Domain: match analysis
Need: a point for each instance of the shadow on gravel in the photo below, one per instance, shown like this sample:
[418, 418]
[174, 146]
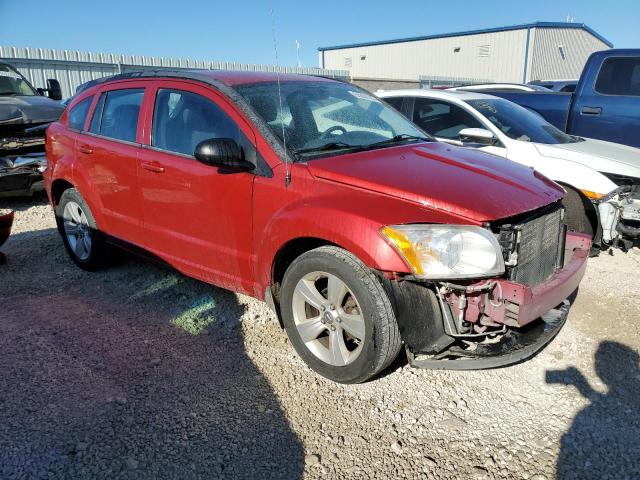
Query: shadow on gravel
[603, 439]
[132, 372]
[20, 204]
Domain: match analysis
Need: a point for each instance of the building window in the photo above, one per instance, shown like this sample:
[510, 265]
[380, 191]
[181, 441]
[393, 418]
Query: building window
[484, 51]
[347, 62]
[456, 50]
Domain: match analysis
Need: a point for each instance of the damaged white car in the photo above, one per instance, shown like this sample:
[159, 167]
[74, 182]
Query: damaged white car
[602, 179]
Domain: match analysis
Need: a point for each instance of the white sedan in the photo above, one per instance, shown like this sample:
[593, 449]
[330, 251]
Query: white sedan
[602, 179]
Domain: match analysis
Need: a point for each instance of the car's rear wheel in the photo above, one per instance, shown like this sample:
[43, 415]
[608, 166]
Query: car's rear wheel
[338, 315]
[79, 231]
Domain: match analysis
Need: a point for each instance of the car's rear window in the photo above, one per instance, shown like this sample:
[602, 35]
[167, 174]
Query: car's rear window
[619, 76]
[116, 115]
[78, 114]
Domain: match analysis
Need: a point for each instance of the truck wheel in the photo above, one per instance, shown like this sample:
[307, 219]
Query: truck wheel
[575, 213]
[79, 231]
[338, 316]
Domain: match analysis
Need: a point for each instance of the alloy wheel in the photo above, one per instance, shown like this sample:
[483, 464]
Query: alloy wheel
[77, 230]
[328, 318]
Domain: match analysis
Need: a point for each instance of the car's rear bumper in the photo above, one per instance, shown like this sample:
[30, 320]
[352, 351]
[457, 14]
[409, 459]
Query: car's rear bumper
[523, 319]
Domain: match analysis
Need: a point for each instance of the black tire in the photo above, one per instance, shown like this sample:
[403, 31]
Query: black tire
[381, 342]
[576, 216]
[98, 253]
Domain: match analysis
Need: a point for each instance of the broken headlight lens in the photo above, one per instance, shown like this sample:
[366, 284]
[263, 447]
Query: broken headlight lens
[447, 251]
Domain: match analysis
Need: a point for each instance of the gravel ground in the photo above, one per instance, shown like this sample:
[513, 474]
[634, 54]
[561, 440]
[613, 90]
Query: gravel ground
[139, 372]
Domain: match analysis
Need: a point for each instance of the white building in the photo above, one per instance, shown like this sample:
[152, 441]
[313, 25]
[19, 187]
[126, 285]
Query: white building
[515, 54]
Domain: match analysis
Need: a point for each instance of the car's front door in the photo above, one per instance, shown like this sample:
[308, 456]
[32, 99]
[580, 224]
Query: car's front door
[108, 152]
[198, 218]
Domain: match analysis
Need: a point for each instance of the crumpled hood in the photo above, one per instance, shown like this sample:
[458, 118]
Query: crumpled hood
[28, 109]
[602, 156]
[461, 181]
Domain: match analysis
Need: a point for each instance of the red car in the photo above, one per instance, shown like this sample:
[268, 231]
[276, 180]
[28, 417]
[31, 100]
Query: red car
[360, 231]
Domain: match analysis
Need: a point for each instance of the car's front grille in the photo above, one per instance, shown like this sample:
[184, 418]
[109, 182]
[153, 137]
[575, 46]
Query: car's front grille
[20, 139]
[535, 246]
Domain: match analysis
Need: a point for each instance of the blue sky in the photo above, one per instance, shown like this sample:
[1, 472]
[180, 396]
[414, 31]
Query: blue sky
[241, 30]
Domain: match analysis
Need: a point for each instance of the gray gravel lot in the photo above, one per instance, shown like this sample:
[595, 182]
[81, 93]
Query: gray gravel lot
[139, 372]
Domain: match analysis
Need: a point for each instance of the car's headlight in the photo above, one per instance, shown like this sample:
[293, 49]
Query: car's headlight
[447, 251]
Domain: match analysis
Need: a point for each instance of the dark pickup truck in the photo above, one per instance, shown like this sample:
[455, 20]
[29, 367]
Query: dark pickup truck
[605, 105]
[25, 113]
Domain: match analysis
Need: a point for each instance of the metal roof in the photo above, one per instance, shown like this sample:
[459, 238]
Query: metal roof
[477, 32]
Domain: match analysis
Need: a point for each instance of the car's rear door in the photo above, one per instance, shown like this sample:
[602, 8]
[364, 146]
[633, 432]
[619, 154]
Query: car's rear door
[197, 217]
[108, 152]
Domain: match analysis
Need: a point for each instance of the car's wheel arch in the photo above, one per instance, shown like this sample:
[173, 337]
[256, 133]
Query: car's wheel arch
[60, 184]
[364, 242]
[590, 209]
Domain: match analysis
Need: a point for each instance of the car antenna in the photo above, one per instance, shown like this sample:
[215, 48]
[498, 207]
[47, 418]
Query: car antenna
[287, 167]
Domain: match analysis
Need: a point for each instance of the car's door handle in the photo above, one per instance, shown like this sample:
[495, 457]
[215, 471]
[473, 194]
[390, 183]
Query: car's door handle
[86, 149]
[591, 110]
[153, 167]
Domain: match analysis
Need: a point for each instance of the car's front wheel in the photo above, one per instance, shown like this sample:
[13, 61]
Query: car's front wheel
[338, 315]
[79, 231]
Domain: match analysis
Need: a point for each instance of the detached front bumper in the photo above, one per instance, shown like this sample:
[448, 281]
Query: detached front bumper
[504, 322]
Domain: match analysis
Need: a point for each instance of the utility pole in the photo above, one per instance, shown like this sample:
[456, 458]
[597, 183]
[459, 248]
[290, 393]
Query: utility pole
[298, 53]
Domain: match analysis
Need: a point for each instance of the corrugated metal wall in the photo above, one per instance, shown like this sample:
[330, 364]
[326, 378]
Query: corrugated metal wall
[72, 68]
[496, 56]
[550, 62]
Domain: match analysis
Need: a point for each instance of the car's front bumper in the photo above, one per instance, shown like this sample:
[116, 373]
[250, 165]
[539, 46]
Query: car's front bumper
[522, 319]
[22, 175]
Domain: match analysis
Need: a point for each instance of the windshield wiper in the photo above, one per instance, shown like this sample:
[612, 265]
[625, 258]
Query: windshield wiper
[396, 139]
[344, 146]
[8, 92]
[327, 147]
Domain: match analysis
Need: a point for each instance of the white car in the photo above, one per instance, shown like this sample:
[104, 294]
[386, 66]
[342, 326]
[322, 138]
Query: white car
[602, 179]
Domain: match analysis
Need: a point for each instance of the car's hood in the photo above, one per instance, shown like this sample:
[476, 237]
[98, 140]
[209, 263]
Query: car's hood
[467, 183]
[28, 109]
[602, 156]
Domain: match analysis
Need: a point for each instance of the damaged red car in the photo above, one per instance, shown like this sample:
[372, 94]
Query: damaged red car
[362, 233]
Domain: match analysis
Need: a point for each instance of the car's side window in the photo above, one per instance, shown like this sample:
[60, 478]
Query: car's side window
[619, 76]
[395, 102]
[78, 114]
[442, 119]
[116, 114]
[181, 120]
[96, 119]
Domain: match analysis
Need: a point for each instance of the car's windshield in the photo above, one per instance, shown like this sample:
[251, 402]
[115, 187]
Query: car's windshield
[12, 83]
[518, 123]
[319, 117]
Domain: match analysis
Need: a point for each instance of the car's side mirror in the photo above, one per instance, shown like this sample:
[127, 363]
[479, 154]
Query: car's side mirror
[53, 89]
[477, 135]
[224, 153]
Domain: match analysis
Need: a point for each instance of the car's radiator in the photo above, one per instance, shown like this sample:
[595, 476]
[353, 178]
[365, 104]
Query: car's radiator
[535, 245]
